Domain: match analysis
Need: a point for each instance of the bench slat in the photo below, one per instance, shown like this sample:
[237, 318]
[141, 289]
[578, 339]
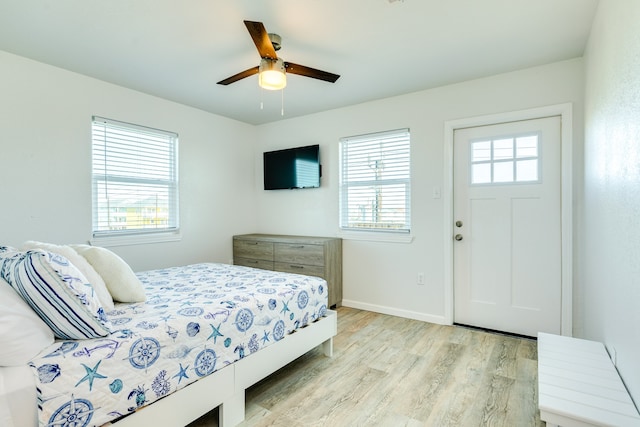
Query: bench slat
[593, 389]
[598, 403]
[580, 378]
[602, 370]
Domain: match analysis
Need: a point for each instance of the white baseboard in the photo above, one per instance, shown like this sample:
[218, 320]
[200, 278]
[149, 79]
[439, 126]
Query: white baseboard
[395, 312]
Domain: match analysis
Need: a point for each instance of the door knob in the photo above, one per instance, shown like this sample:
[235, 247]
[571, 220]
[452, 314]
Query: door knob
[458, 237]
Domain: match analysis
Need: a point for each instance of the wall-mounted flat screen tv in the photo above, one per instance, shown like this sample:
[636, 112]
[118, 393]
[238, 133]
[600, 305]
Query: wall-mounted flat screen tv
[292, 168]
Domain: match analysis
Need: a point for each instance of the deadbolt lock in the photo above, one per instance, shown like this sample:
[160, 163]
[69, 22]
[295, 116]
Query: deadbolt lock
[458, 224]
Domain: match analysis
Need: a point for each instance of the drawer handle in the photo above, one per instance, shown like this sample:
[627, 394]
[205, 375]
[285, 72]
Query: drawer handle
[297, 266]
[297, 247]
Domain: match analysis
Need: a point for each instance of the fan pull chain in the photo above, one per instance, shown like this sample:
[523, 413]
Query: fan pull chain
[282, 102]
[261, 99]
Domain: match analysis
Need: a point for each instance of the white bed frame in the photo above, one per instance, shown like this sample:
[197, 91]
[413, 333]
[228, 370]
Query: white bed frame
[226, 387]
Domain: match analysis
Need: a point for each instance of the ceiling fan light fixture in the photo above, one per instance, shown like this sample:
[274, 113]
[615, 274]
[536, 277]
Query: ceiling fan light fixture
[272, 75]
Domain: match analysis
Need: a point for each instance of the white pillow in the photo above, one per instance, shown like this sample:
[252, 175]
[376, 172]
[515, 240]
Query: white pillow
[81, 264]
[122, 282]
[57, 292]
[22, 333]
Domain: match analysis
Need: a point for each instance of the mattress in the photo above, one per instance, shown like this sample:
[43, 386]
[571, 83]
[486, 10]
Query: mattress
[197, 319]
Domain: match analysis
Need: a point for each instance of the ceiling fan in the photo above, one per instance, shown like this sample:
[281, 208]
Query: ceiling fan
[272, 70]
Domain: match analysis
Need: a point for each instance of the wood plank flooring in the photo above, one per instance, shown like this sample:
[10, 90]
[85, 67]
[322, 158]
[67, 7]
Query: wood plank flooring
[390, 371]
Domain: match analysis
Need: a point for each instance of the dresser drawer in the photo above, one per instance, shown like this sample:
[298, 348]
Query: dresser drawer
[307, 270]
[255, 263]
[253, 249]
[299, 253]
[306, 255]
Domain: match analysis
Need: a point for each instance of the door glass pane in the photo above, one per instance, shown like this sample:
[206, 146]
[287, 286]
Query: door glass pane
[503, 149]
[493, 160]
[527, 170]
[527, 146]
[503, 172]
[481, 151]
[481, 173]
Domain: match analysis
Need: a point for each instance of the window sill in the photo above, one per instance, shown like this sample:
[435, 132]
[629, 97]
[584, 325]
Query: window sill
[135, 239]
[373, 236]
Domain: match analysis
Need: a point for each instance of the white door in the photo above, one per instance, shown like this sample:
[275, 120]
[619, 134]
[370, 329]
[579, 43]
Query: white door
[507, 226]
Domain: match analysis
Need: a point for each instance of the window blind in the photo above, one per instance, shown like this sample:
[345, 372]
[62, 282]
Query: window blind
[375, 182]
[135, 178]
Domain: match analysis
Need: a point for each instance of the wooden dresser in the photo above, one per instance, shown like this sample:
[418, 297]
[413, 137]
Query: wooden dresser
[312, 256]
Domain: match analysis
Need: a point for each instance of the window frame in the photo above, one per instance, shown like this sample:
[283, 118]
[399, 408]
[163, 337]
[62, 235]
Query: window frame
[371, 232]
[169, 140]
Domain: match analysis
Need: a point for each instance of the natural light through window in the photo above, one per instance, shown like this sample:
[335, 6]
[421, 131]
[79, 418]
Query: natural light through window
[505, 160]
[135, 179]
[375, 184]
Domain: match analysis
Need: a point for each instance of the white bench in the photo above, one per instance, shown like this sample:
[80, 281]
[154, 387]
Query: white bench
[578, 385]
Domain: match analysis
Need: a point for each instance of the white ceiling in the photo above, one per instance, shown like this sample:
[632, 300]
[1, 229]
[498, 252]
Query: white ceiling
[179, 49]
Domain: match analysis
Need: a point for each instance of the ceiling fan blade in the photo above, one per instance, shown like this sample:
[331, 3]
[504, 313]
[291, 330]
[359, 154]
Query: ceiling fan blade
[310, 72]
[261, 39]
[241, 75]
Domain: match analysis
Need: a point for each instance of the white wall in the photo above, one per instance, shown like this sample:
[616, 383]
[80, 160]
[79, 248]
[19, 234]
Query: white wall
[610, 262]
[382, 276]
[45, 169]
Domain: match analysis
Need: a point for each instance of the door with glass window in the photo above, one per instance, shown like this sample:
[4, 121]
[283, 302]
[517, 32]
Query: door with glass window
[507, 226]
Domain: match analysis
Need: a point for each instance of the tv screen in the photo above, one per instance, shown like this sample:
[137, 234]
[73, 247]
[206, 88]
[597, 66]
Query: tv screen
[292, 168]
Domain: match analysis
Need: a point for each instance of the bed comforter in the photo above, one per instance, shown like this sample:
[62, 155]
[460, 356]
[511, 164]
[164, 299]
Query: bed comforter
[197, 319]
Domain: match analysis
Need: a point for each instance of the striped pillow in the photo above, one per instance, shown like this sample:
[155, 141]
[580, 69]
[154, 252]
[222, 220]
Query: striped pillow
[78, 261]
[57, 291]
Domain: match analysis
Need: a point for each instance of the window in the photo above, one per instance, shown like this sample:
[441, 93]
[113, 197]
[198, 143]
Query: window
[375, 184]
[505, 160]
[135, 179]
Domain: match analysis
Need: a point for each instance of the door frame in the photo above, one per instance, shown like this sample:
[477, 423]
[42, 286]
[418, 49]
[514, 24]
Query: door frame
[565, 111]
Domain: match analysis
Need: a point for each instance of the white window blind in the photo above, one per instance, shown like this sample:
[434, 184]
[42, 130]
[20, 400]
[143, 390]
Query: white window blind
[375, 182]
[135, 179]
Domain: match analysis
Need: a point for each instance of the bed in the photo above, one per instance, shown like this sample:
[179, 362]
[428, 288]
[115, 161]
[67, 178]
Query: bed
[204, 334]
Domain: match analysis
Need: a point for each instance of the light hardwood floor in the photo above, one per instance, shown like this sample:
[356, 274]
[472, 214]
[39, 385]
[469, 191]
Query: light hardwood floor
[390, 371]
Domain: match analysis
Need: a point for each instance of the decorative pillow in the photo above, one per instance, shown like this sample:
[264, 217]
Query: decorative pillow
[57, 292]
[22, 333]
[122, 282]
[81, 264]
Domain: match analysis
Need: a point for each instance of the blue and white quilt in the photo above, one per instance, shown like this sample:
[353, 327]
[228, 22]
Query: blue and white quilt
[197, 319]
